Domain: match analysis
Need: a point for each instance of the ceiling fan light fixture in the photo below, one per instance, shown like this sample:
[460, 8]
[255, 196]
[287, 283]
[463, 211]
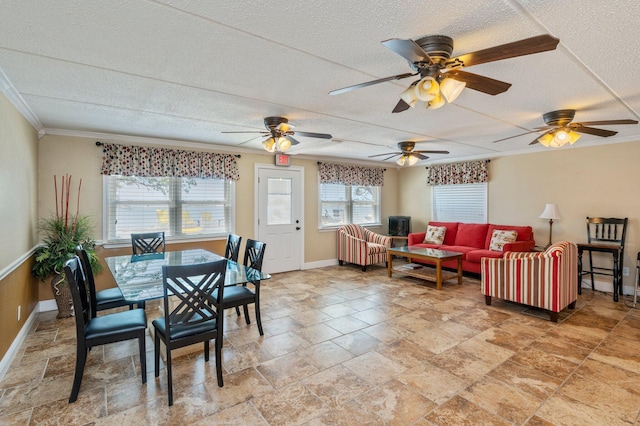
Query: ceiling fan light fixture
[400, 161]
[269, 145]
[436, 102]
[562, 137]
[546, 139]
[427, 89]
[283, 144]
[409, 96]
[451, 88]
[412, 160]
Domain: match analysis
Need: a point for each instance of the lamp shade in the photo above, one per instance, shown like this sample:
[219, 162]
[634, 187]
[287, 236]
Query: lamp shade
[551, 212]
[436, 102]
[427, 89]
[412, 160]
[409, 96]
[270, 145]
[451, 88]
[400, 161]
[283, 144]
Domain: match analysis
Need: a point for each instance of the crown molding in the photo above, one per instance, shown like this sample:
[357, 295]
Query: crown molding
[7, 88]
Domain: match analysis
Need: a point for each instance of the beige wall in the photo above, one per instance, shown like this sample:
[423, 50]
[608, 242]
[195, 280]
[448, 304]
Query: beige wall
[595, 181]
[81, 158]
[18, 210]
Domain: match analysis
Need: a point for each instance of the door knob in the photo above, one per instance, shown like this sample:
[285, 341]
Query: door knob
[297, 228]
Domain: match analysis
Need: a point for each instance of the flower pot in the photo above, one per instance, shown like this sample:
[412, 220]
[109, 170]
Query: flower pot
[62, 294]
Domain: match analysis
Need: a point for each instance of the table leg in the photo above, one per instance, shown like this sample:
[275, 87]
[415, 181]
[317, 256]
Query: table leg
[460, 270]
[389, 265]
[439, 274]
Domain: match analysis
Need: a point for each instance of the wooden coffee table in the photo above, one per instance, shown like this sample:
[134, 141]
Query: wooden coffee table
[422, 271]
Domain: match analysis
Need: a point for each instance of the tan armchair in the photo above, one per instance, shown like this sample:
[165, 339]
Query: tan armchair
[358, 245]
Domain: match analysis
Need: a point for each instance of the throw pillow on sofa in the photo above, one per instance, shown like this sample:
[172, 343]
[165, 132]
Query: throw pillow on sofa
[500, 237]
[434, 235]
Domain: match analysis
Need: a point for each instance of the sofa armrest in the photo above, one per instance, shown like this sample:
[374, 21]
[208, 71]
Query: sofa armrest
[350, 247]
[415, 238]
[519, 246]
[384, 240]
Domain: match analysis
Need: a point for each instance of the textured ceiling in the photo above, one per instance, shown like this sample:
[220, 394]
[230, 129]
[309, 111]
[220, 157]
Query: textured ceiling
[187, 70]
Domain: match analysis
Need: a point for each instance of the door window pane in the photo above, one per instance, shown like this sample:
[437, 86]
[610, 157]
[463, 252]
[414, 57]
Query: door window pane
[279, 201]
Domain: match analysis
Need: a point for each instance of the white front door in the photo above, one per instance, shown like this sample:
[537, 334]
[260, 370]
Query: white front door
[279, 214]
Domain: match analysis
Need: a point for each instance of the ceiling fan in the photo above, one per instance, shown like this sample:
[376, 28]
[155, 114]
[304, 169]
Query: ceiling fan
[441, 77]
[408, 154]
[280, 133]
[561, 129]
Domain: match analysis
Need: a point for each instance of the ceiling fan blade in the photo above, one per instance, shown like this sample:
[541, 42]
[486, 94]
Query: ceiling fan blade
[401, 106]
[515, 136]
[431, 152]
[593, 131]
[371, 83]
[394, 155]
[250, 131]
[606, 122]
[537, 44]
[479, 82]
[408, 49]
[247, 141]
[535, 141]
[315, 135]
[386, 153]
[292, 140]
[420, 156]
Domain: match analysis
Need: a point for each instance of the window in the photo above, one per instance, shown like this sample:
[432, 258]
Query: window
[343, 204]
[181, 207]
[459, 203]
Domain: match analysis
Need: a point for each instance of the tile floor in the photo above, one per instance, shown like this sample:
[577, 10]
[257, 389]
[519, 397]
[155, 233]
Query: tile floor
[346, 347]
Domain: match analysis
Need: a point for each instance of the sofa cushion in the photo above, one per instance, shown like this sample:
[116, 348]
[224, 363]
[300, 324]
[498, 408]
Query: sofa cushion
[525, 233]
[435, 234]
[460, 249]
[452, 230]
[426, 245]
[476, 255]
[472, 235]
[500, 237]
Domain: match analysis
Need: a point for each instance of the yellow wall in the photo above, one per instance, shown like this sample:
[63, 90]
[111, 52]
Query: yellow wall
[599, 181]
[18, 210]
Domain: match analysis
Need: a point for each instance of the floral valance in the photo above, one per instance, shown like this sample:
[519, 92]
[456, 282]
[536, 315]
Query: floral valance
[150, 161]
[351, 175]
[457, 173]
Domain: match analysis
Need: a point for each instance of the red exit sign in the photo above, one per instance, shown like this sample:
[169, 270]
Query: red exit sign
[283, 160]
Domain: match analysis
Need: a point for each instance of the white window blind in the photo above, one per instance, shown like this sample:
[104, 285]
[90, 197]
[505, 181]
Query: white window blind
[459, 203]
[181, 207]
[343, 204]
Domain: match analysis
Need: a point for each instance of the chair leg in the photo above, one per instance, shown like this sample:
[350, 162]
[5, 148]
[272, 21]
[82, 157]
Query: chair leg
[143, 356]
[206, 351]
[81, 359]
[579, 271]
[238, 310]
[593, 285]
[156, 353]
[487, 299]
[553, 316]
[258, 320]
[246, 314]
[218, 351]
[169, 378]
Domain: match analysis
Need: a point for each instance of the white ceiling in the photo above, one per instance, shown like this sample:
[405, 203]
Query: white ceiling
[187, 70]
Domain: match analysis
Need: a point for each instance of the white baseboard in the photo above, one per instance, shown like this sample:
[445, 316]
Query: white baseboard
[320, 264]
[8, 358]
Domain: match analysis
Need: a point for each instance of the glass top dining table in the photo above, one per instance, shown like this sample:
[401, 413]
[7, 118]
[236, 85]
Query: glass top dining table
[139, 277]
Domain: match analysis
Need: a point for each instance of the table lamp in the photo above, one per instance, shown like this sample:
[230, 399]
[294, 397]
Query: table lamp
[550, 212]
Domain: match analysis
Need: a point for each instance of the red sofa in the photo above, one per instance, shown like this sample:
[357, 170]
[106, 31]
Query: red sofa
[473, 240]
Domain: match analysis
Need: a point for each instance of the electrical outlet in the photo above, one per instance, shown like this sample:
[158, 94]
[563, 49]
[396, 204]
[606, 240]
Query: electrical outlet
[19, 312]
[625, 271]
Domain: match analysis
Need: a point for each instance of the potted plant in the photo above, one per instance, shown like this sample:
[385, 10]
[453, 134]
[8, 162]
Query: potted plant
[61, 234]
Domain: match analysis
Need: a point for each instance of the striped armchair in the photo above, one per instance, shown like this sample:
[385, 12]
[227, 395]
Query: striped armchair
[357, 244]
[547, 280]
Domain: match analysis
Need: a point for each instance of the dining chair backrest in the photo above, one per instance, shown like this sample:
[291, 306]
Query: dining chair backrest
[90, 283]
[254, 254]
[198, 291]
[75, 279]
[148, 242]
[232, 249]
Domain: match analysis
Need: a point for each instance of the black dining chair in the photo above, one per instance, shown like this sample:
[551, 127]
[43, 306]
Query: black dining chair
[192, 312]
[95, 331]
[148, 242]
[103, 299]
[232, 250]
[241, 295]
